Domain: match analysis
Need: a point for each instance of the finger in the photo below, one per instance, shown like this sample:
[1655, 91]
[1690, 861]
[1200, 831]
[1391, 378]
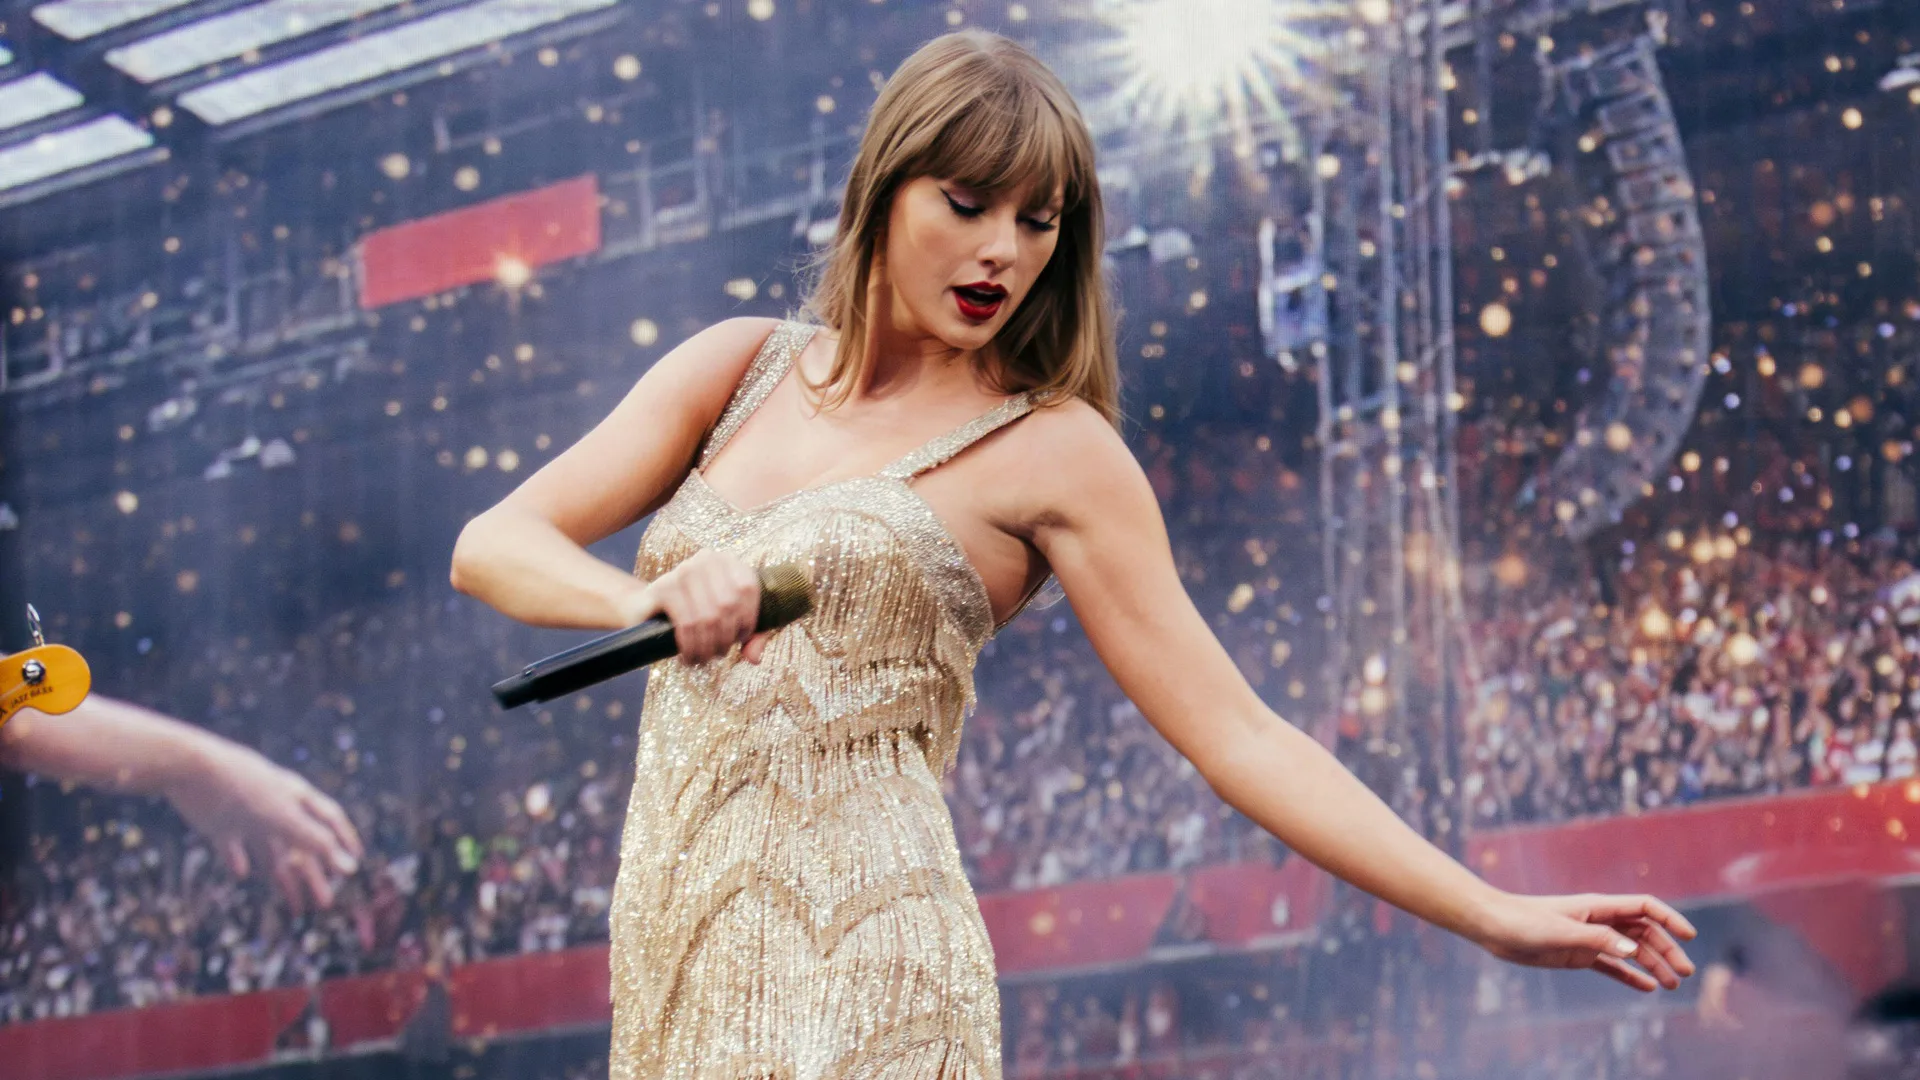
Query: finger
[307, 870]
[236, 852]
[347, 856]
[734, 618]
[1626, 975]
[1656, 964]
[696, 613]
[1619, 908]
[747, 602]
[755, 646]
[1607, 941]
[284, 877]
[304, 832]
[1655, 937]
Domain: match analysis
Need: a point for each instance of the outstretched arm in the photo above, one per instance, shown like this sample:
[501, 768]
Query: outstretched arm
[248, 807]
[1095, 520]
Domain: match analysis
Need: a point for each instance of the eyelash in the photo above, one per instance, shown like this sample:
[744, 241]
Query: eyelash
[966, 211]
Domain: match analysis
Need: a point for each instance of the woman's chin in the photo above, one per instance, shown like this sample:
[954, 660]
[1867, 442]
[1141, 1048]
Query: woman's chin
[959, 332]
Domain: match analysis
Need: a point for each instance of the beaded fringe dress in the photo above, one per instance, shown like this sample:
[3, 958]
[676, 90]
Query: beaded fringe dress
[791, 901]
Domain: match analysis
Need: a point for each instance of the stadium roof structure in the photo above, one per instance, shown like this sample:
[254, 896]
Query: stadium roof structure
[91, 88]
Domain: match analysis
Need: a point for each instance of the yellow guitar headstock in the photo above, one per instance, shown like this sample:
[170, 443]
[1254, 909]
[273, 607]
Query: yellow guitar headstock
[49, 678]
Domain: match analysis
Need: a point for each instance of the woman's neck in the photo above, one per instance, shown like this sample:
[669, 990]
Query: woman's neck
[905, 362]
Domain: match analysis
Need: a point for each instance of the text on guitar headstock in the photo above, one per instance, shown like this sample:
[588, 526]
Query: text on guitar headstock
[48, 678]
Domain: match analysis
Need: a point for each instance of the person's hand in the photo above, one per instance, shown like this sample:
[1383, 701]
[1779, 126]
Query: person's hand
[257, 813]
[713, 600]
[1602, 933]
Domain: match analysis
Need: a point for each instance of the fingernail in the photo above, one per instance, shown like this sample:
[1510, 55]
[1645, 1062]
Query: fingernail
[344, 862]
[1624, 947]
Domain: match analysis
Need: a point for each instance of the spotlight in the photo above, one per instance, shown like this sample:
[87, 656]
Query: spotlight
[1186, 63]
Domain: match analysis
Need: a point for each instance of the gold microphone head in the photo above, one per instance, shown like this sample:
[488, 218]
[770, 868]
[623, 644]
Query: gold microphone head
[785, 595]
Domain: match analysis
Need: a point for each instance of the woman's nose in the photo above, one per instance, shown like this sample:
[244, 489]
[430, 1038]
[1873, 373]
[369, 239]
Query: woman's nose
[1002, 244]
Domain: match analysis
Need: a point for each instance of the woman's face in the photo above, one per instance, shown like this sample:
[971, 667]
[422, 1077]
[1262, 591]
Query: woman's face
[960, 261]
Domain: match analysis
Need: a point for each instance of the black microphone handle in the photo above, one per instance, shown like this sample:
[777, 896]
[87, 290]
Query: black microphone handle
[583, 665]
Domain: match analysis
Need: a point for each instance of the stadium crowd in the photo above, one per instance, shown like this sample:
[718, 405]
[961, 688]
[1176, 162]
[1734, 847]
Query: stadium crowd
[492, 834]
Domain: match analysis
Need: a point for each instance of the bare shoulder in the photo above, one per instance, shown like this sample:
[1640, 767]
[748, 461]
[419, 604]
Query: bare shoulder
[715, 359]
[1069, 459]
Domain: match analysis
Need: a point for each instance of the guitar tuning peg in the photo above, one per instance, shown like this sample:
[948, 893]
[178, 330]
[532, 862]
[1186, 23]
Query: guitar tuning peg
[33, 627]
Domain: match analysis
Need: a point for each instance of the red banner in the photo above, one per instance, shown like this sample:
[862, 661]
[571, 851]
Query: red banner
[1735, 848]
[368, 1007]
[532, 993]
[1242, 903]
[495, 240]
[1091, 922]
[203, 1034]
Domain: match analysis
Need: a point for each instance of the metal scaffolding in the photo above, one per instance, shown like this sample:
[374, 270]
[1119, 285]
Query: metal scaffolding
[1399, 648]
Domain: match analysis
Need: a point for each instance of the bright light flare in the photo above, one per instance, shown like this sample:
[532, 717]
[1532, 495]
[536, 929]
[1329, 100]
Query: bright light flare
[1194, 64]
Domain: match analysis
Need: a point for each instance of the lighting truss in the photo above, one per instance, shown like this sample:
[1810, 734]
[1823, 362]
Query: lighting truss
[35, 97]
[79, 19]
[405, 47]
[68, 149]
[1400, 654]
[222, 37]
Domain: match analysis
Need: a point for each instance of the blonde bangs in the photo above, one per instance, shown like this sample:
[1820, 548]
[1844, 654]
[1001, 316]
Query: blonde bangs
[978, 110]
[998, 146]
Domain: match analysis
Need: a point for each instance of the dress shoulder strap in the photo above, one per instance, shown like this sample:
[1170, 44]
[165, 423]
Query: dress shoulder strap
[769, 366]
[943, 448]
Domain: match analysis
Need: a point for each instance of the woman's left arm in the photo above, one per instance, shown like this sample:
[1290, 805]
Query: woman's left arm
[1096, 521]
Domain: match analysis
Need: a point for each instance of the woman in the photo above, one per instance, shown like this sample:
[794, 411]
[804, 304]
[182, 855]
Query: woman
[790, 899]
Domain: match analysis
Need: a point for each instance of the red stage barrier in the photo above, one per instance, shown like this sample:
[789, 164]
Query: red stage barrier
[1091, 922]
[1855, 925]
[462, 247]
[1245, 902]
[368, 1007]
[532, 993]
[1734, 848]
[204, 1034]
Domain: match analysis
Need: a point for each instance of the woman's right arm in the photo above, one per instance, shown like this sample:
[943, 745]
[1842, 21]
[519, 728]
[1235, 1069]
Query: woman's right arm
[527, 557]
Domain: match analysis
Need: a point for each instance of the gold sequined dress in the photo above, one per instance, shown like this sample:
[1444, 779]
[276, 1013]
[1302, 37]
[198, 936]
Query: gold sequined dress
[791, 901]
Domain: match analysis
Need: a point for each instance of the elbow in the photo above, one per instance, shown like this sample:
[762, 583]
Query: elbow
[469, 564]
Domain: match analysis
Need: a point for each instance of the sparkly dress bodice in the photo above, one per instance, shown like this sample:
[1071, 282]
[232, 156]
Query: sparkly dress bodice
[791, 901]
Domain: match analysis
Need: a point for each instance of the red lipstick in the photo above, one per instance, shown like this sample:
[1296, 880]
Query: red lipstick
[980, 300]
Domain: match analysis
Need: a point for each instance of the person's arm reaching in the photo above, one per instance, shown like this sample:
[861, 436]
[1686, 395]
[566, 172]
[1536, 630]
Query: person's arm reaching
[1096, 521]
[249, 808]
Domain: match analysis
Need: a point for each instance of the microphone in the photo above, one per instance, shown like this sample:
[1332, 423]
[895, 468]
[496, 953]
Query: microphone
[785, 595]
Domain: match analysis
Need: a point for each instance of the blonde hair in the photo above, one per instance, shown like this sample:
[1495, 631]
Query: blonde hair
[978, 109]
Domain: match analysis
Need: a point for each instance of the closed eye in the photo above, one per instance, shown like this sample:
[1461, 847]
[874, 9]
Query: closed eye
[963, 209]
[970, 211]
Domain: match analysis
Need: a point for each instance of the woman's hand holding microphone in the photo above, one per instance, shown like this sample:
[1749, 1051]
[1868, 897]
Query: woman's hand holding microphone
[713, 600]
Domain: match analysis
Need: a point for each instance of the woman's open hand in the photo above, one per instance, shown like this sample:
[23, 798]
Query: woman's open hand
[1631, 939]
[713, 600]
